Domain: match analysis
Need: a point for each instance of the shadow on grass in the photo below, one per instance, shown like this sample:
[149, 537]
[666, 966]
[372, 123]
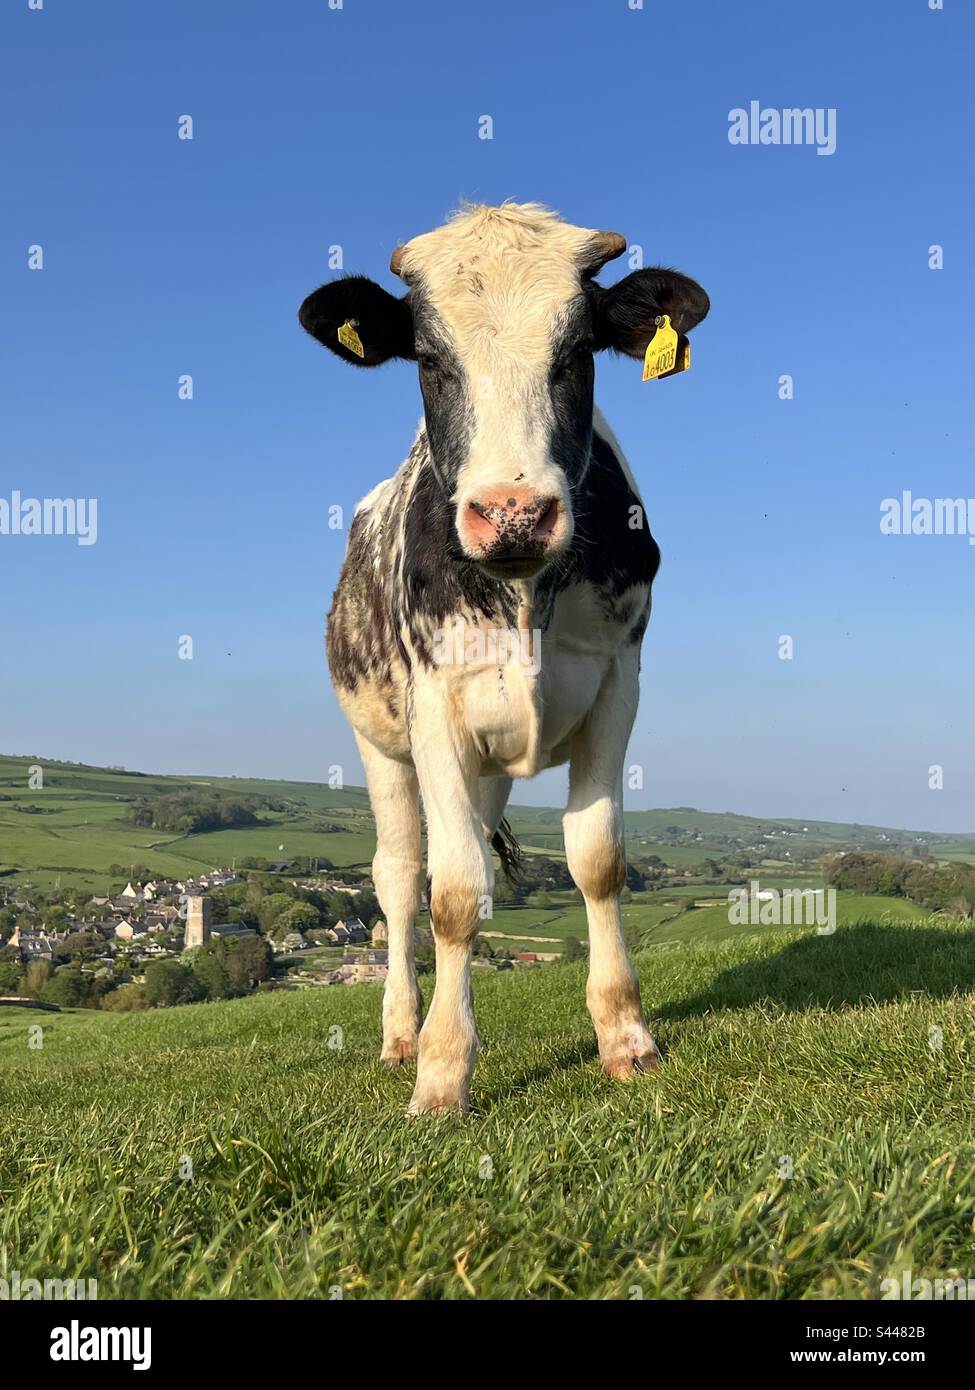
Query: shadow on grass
[857, 965]
[520, 1080]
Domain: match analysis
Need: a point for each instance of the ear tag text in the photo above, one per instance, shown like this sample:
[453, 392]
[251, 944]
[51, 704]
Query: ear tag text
[350, 339]
[664, 354]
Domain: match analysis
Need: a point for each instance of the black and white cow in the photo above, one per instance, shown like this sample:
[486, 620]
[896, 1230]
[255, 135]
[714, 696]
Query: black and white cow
[488, 620]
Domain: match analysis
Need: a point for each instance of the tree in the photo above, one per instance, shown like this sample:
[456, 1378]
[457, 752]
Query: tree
[502, 892]
[367, 907]
[538, 900]
[129, 998]
[271, 908]
[84, 945]
[210, 970]
[168, 982]
[68, 988]
[11, 975]
[37, 976]
[574, 949]
[249, 963]
[634, 879]
[301, 917]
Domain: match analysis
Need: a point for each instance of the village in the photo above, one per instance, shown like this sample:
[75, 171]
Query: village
[279, 912]
[161, 918]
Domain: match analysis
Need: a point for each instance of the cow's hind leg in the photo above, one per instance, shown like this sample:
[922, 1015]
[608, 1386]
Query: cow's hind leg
[397, 871]
[594, 848]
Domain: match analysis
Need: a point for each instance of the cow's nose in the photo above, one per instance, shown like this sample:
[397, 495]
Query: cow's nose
[512, 520]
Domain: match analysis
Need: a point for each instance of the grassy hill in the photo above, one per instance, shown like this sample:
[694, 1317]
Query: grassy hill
[74, 828]
[785, 1053]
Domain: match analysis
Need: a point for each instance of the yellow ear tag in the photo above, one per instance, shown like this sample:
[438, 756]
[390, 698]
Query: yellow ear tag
[662, 351]
[349, 338]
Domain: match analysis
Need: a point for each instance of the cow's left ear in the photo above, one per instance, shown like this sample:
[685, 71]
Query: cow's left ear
[624, 314]
[360, 321]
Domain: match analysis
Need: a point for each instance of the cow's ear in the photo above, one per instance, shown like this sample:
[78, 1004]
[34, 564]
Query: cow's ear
[360, 321]
[624, 314]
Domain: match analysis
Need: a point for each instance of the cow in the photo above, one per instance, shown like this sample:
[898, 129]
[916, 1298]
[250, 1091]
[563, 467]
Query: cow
[489, 614]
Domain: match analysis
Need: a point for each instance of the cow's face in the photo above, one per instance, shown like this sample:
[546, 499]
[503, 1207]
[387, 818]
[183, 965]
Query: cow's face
[503, 318]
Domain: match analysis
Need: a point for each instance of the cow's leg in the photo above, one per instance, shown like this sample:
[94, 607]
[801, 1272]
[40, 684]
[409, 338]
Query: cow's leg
[593, 825]
[461, 878]
[493, 793]
[397, 872]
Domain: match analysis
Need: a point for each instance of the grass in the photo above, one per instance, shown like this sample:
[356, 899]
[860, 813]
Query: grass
[561, 1184]
[666, 916]
[711, 923]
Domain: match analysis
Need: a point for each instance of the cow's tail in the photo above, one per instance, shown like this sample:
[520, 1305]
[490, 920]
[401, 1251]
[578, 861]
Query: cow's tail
[508, 850]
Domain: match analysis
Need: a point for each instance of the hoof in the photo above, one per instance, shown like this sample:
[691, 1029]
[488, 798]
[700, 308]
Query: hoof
[637, 1053]
[443, 1098]
[398, 1053]
[447, 1108]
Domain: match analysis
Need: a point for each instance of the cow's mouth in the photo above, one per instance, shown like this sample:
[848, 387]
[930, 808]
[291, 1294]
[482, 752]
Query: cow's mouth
[514, 566]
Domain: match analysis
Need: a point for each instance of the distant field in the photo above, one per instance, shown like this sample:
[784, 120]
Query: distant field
[80, 829]
[711, 923]
[803, 1140]
[668, 917]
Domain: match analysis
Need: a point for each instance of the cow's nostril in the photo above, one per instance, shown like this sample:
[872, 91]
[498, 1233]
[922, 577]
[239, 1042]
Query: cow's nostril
[480, 523]
[548, 520]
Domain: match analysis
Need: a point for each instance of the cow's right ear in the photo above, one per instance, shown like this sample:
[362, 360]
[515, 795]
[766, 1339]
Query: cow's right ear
[360, 321]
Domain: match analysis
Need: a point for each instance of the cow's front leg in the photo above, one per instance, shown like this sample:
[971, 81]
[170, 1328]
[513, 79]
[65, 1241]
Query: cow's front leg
[593, 825]
[397, 872]
[461, 878]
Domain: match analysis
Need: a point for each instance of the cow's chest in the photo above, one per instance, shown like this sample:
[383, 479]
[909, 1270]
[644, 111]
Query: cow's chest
[523, 710]
[522, 721]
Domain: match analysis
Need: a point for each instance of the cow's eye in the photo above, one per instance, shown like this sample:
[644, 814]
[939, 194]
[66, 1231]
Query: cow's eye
[579, 352]
[427, 362]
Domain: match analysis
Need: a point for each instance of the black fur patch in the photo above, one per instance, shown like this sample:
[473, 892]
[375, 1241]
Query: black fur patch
[361, 635]
[571, 378]
[383, 322]
[445, 390]
[624, 314]
[612, 547]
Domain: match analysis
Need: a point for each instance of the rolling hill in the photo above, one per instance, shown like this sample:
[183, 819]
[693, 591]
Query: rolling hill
[73, 828]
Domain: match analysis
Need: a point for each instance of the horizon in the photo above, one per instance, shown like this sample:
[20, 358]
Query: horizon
[514, 803]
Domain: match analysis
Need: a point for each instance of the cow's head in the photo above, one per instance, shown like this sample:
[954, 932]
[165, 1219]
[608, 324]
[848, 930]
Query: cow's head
[503, 317]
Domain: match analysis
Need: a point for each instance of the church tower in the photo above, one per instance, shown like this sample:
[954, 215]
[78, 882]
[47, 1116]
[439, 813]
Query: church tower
[197, 920]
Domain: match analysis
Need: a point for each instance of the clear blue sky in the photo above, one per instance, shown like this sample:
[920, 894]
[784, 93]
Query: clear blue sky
[358, 127]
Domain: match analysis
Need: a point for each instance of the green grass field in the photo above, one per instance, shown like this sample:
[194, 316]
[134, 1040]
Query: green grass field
[784, 1053]
[77, 828]
[667, 917]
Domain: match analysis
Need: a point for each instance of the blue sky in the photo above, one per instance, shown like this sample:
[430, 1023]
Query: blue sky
[359, 127]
